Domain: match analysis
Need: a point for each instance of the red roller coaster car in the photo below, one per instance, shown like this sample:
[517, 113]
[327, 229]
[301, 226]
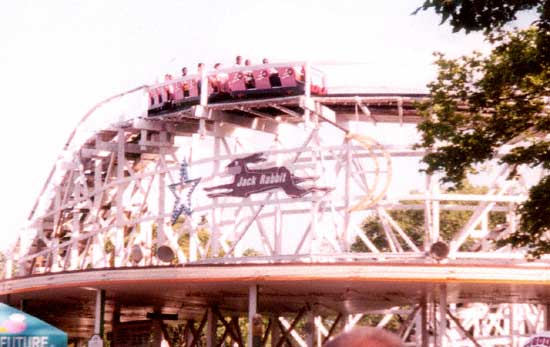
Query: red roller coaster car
[247, 82]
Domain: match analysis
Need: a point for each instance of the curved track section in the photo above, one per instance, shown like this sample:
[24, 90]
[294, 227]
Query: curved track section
[205, 209]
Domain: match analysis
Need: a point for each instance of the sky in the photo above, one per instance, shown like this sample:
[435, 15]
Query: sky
[58, 58]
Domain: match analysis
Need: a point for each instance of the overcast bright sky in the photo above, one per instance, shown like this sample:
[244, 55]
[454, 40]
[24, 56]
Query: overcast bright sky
[58, 58]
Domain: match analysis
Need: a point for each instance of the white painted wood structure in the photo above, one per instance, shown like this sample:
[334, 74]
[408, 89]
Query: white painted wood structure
[104, 217]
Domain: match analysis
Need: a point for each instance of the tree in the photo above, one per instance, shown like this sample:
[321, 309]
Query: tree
[494, 107]
[486, 15]
[412, 222]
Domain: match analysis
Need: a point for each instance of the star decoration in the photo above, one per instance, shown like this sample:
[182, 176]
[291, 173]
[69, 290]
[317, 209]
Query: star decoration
[182, 192]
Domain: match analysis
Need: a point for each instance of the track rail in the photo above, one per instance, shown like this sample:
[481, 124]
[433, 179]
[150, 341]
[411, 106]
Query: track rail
[103, 219]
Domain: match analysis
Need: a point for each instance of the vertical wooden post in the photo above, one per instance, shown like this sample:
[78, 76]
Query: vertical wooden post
[318, 332]
[211, 328]
[161, 238]
[96, 246]
[347, 196]
[278, 215]
[435, 208]
[119, 236]
[442, 315]
[75, 232]
[214, 245]
[310, 329]
[99, 317]
[23, 305]
[514, 321]
[252, 307]
[157, 332]
[424, 321]
[428, 223]
[275, 330]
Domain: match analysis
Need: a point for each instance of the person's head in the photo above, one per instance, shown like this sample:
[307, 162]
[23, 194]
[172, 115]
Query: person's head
[217, 66]
[167, 77]
[184, 71]
[366, 337]
[238, 60]
[247, 62]
[200, 66]
[265, 61]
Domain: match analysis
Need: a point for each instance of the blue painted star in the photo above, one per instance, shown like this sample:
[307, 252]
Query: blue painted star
[182, 192]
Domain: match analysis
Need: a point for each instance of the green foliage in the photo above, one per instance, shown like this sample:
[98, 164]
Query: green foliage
[483, 108]
[535, 221]
[476, 15]
[203, 236]
[490, 16]
[251, 252]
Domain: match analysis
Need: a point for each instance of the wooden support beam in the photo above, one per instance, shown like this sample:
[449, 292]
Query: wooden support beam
[228, 326]
[252, 309]
[333, 327]
[315, 107]
[162, 316]
[285, 333]
[196, 332]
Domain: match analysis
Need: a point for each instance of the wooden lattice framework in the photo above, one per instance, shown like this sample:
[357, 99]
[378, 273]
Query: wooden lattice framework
[107, 205]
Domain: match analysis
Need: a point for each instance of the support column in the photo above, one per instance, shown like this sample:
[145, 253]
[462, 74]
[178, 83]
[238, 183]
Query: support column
[115, 321]
[161, 237]
[96, 246]
[428, 222]
[442, 341]
[252, 307]
[424, 321]
[435, 208]
[310, 329]
[121, 162]
[318, 331]
[75, 233]
[514, 321]
[346, 239]
[546, 309]
[215, 239]
[278, 215]
[99, 318]
[275, 330]
[210, 328]
[157, 332]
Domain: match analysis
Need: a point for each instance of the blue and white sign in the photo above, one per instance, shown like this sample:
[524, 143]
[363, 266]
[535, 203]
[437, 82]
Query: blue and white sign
[18, 329]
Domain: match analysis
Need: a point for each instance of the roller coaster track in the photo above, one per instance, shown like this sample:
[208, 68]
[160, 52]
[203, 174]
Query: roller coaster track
[105, 222]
